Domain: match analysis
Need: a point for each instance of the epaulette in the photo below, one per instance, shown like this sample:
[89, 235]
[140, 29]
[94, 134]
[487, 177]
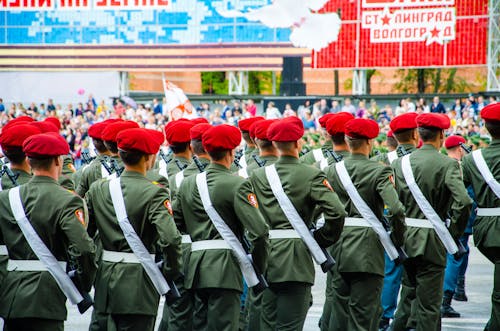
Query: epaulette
[157, 183]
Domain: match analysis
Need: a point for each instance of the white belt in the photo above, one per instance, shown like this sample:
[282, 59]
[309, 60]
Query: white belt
[209, 244]
[419, 223]
[29, 265]
[3, 250]
[488, 211]
[356, 221]
[112, 256]
[283, 234]
[186, 239]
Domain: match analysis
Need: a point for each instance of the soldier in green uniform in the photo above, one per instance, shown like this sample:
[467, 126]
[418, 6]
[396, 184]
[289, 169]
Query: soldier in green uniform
[126, 294]
[335, 127]
[303, 188]
[250, 147]
[30, 298]
[481, 170]
[177, 135]
[216, 208]
[179, 315]
[436, 182]
[391, 144]
[363, 186]
[316, 155]
[268, 154]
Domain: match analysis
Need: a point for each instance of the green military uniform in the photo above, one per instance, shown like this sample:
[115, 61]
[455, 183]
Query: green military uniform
[124, 294]
[309, 158]
[65, 180]
[214, 274]
[59, 217]
[401, 150]
[487, 228]
[267, 159]
[173, 168]
[91, 173]
[291, 271]
[359, 273]
[249, 151]
[439, 178]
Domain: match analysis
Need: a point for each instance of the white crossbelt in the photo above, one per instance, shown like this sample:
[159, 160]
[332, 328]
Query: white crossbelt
[225, 232]
[418, 223]
[243, 173]
[179, 177]
[163, 168]
[123, 257]
[426, 208]
[186, 239]
[323, 164]
[392, 156]
[293, 216]
[243, 162]
[356, 222]
[365, 210]
[203, 245]
[283, 234]
[486, 172]
[1, 189]
[318, 154]
[41, 250]
[488, 211]
[29, 265]
[3, 250]
[133, 240]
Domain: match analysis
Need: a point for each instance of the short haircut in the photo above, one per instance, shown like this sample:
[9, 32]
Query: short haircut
[263, 143]
[403, 136]
[355, 143]
[111, 146]
[197, 147]
[454, 148]
[179, 148]
[338, 139]
[218, 155]
[285, 146]
[392, 142]
[41, 163]
[493, 128]
[428, 134]
[131, 157]
[99, 145]
[246, 136]
[15, 155]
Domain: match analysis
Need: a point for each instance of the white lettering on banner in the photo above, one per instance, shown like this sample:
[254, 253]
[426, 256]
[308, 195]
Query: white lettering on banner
[405, 3]
[407, 25]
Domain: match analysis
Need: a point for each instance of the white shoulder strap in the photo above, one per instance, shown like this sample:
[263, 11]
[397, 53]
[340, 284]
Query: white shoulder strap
[485, 172]
[366, 211]
[243, 173]
[1, 189]
[133, 240]
[179, 177]
[293, 216]
[318, 154]
[323, 164]
[225, 231]
[41, 250]
[243, 162]
[163, 168]
[392, 156]
[426, 208]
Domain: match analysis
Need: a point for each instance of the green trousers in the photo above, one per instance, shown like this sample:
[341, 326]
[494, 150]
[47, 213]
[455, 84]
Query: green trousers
[327, 307]
[356, 301]
[122, 322]
[254, 306]
[178, 316]
[421, 301]
[285, 306]
[33, 324]
[493, 254]
[216, 309]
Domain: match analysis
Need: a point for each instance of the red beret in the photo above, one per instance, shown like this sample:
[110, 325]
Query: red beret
[453, 141]
[199, 120]
[178, 132]
[287, 129]
[431, 120]
[169, 124]
[144, 140]
[55, 121]
[390, 134]
[491, 112]
[404, 122]
[15, 135]
[18, 120]
[362, 128]
[95, 130]
[245, 124]
[111, 130]
[158, 136]
[261, 127]
[45, 127]
[221, 137]
[324, 119]
[196, 132]
[336, 122]
[45, 145]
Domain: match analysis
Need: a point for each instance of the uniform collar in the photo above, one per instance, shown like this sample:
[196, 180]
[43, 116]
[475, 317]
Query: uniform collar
[217, 167]
[327, 145]
[287, 159]
[43, 179]
[494, 142]
[182, 159]
[428, 147]
[129, 173]
[358, 157]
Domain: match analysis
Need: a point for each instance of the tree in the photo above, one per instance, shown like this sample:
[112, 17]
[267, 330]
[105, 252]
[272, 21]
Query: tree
[439, 80]
[214, 82]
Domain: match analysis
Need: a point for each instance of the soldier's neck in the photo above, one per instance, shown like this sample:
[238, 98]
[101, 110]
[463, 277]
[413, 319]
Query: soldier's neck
[140, 167]
[269, 152]
[186, 154]
[340, 148]
[21, 166]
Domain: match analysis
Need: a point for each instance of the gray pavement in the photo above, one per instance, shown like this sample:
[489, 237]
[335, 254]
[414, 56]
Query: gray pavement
[475, 312]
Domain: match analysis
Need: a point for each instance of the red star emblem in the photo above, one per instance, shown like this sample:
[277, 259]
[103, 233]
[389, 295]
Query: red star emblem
[385, 20]
[435, 32]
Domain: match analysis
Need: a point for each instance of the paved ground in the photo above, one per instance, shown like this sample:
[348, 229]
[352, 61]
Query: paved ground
[475, 312]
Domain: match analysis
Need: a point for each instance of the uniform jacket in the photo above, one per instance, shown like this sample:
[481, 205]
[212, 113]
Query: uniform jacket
[308, 158]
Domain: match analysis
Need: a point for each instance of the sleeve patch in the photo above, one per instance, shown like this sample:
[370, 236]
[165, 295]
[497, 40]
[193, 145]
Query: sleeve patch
[391, 179]
[252, 199]
[327, 184]
[168, 205]
[80, 216]
[71, 167]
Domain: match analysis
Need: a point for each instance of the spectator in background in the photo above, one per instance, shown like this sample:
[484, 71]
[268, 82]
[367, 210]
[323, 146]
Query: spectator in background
[79, 110]
[302, 108]
[425, 108]
[102, 109]
[230, 119]
[32, 109]
[480, 103]
[361, 113]
[216, 118]
[289, 112]
[335, 106]
[470, 108]
[323, 107]
[493, 99]
[2, 107]
[251, 108]
[225, 108]
[50, 105]
[457, 107]
[69, 108]
[92, 101]
[402, 107]
[348, 107]
[374, 109]
[119, 108]
[308, 121]
[437, 106]
[272, 112]
[236, 107]
[410, 105]
[157, 108]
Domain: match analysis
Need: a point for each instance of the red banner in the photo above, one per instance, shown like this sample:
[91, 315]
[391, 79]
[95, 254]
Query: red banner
[407, 33]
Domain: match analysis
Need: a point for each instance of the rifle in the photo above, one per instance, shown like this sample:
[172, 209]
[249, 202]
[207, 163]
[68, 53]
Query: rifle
[259, 161]
[461, 249]
[335, 156]
[87, 301]
[116, 167]
[262, 285]
[165, 157]
[376, 152]
[174, 294]
[402, 256]
[237, 163]
[330, 261]
[86, 158]
[13, 177]
[200, 165]
[180, 165]
[238, 154]
[105, 164]
[466, 148]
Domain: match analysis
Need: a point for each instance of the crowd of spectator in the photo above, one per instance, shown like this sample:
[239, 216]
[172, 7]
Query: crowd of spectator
[463, 113]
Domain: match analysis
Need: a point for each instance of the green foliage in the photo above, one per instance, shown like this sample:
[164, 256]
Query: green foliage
[214, 82]
[261, 82]
[437, 80]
